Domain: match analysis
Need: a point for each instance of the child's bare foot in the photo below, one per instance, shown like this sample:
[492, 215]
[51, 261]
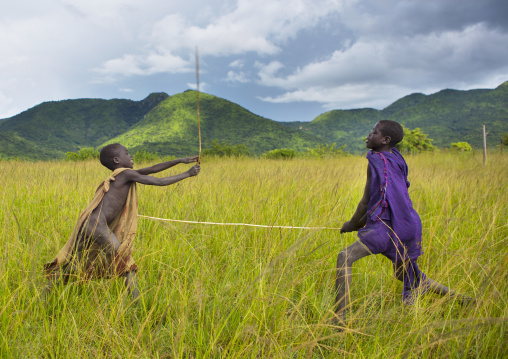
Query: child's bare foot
[338, 321]
[45, 293]
[466, 301]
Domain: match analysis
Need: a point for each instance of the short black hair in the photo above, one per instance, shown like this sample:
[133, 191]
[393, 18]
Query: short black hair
[393, 130]
[108, 153]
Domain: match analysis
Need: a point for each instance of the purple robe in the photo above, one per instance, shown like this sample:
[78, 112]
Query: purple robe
[393, 227]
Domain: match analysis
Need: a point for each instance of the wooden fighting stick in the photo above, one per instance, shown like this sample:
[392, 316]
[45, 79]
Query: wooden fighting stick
[197, 92]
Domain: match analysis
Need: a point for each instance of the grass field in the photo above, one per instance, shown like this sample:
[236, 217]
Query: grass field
[243, 292]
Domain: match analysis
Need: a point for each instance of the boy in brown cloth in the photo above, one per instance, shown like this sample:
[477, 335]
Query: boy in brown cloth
[102, 240]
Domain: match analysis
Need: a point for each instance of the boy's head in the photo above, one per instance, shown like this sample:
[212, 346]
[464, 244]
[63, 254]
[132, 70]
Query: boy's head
[385, 135]
[114, 156]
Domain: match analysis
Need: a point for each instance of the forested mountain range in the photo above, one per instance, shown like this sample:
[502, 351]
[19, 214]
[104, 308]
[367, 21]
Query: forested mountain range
[167, 125]
[447, 116]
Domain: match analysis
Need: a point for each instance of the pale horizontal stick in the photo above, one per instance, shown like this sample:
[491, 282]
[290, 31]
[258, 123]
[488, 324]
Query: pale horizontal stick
[232, 224]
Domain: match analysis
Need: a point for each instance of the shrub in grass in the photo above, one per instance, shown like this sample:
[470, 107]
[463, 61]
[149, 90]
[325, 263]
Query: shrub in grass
[461, 147]
[280, 154]
[87, 153]
[224, 149]
[325, 151]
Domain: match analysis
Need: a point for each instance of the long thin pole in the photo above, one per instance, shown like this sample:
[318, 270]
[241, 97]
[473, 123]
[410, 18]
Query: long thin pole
[197, 92]
[484, 146]
[233, 224]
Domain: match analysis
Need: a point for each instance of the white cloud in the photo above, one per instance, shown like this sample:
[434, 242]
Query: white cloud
[6, 105]
[153, 63]
[238, 77]
[343, 97]
[267, 73]
[203, 86]
[238, 64]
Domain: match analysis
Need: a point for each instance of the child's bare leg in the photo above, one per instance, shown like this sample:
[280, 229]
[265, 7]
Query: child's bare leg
[102, 235]
[63, 274]
[345, 260]
[438, 288]
[433, 286]
[48, 287]
[132, 284]
[400, 270]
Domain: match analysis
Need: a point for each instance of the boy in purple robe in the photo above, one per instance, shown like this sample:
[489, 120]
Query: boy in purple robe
[386, 222]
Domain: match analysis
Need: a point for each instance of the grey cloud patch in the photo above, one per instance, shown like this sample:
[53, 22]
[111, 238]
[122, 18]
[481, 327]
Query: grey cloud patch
[422, 63]
[412, 17]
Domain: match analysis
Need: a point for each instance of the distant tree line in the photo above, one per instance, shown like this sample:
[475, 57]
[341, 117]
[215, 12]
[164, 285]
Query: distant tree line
[414, 142]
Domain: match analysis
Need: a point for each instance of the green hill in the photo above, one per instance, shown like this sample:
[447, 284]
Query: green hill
[50, 129]
[171, 128]
[447, 116]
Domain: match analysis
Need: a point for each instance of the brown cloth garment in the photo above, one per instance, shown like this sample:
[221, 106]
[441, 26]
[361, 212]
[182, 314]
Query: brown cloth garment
[95, 263]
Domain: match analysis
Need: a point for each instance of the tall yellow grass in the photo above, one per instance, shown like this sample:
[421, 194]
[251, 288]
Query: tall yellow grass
[237, 292]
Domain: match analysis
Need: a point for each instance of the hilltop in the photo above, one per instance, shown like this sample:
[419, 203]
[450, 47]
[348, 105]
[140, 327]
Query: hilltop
[171, 128]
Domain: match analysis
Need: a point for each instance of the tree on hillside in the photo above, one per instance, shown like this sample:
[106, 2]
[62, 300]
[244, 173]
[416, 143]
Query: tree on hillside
[415, 141]
[504, 139]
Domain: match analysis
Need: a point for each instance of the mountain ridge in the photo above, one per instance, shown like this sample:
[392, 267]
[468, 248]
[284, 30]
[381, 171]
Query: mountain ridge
[447, 116]
[168, 124]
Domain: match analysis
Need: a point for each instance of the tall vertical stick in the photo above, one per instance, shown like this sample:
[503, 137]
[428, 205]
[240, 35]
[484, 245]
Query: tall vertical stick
[484, 146]
[197, 92]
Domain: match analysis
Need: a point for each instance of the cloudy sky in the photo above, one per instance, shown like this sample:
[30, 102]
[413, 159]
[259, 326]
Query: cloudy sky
[287, 60]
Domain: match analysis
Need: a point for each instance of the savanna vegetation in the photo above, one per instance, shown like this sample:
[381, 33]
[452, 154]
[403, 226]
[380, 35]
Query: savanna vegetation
[211, 291]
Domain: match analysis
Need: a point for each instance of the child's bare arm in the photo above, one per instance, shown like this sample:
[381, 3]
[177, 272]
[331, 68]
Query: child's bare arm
[165, 165]
[135, 176]
[360, 217]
